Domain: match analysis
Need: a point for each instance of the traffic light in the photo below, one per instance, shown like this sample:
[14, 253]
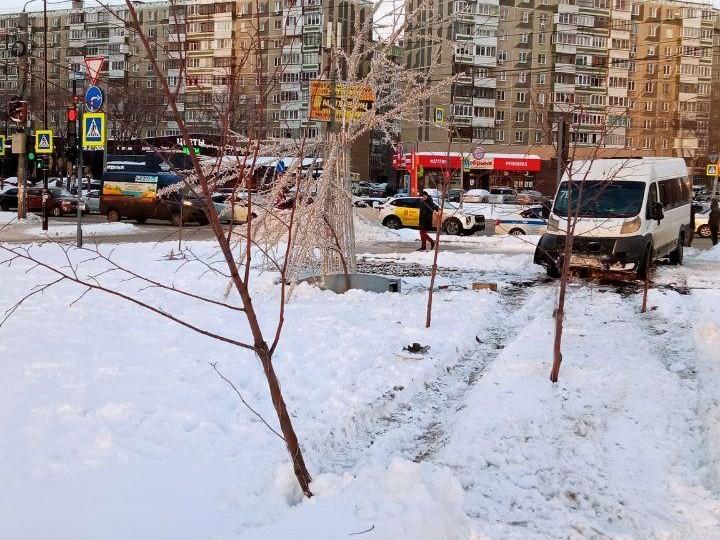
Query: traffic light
[18, 110]
[72, 114]
[71, 149]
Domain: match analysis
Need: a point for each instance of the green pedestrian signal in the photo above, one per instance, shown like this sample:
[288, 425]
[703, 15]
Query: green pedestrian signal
[39, 164]
[31, 156]
[186, 150]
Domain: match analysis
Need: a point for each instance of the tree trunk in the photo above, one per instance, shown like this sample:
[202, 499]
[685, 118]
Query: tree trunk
[339, 252]
[286, 427]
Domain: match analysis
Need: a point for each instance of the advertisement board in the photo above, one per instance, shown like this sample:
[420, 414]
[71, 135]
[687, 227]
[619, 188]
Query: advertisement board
[354, 99]
[144, 188]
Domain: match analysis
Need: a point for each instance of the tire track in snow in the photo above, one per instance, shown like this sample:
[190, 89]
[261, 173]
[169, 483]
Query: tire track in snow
[416, 426]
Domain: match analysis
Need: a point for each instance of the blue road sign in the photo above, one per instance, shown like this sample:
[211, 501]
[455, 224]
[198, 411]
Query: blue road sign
[94, 99]
[280, 167]
[93, 130]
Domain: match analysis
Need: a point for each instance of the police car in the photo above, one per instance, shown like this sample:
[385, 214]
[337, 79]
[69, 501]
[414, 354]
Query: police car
[530, 221]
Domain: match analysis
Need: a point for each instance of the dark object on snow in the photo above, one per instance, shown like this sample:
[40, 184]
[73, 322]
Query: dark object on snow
[416, 348]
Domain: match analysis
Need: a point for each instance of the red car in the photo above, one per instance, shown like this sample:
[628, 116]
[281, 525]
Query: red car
[59, 201]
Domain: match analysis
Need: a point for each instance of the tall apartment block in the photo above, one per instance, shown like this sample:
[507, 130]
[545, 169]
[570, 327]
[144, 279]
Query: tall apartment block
[633, 78]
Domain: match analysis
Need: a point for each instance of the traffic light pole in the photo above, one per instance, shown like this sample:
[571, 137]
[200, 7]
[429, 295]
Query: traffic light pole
[44, 200]
[79, 178]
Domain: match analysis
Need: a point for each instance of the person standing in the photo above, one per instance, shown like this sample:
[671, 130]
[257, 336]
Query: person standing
[714, 221]
[427, 207]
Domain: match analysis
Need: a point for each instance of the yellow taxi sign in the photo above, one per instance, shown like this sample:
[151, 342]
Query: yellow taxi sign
[711, 170]
[44, 141]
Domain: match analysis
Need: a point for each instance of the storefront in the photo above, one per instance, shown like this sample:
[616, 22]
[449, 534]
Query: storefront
[510, 170]
[428, 169]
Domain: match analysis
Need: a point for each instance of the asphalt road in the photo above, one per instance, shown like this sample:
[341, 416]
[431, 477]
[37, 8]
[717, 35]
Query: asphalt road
[158, 231]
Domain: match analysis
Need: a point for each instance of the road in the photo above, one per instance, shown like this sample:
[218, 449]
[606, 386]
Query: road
[158, 231]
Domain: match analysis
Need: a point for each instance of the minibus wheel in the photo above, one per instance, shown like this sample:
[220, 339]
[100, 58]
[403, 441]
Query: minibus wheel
[113, 215]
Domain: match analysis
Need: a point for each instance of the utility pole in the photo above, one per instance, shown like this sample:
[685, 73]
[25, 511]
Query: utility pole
[24, 72]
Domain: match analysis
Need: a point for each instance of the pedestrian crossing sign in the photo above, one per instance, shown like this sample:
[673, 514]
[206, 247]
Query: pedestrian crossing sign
[711, 170]
[43, 141]
[93, 130]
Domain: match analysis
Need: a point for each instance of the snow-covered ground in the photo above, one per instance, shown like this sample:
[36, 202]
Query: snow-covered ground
[115, 426]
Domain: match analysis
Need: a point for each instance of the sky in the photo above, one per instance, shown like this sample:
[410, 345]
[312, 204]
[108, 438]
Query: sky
[9, 6]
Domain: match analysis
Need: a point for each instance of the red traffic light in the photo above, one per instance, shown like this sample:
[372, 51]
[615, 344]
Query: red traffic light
[72, 114]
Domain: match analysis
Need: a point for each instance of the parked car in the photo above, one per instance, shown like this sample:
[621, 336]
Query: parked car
[92, 201]
[476, 196]
[632, 212]
[529, 196]
[530, 221]
[226, 208]
[401, 212]
[701, 223]
[59, 202]
[501, 194]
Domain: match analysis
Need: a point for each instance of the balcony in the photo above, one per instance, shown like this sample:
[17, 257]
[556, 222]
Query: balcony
[462, 120]
[565, 68]
[483, 122]
[563, 48]
[465, 79]
[465, 59]
[483, 102]
[485, 82]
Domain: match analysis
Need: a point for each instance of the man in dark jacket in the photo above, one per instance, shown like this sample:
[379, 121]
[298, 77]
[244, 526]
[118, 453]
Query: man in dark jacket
[714, 221]
[427, 207]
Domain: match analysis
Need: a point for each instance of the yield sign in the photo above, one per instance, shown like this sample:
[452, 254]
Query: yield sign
[93, 67]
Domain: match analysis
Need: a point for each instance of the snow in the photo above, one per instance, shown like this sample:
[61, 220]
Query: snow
[92, 229]
[115, 426]
[8, 218]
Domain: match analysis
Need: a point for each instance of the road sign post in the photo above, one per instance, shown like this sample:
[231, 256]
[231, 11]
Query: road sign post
[79, 178]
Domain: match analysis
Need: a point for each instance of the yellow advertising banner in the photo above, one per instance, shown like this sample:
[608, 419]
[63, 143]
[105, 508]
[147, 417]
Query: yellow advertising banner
[354, 99]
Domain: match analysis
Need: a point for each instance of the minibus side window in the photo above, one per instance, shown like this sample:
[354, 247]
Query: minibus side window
[652, 200]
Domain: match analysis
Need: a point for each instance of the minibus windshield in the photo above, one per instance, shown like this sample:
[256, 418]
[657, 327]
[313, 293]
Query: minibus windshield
[600, 199]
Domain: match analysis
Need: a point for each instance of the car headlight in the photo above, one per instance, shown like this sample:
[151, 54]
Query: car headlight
[187, 203]
[552, 224]
[631, 226]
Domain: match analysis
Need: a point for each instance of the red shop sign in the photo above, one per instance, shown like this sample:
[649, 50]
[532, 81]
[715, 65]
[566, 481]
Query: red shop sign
[439, 162]
[517, 164]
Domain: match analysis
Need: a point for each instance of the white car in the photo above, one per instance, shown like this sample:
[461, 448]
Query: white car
[403, 211]
[476, 196]
[530, 221]
[225, 207]
[701, 223]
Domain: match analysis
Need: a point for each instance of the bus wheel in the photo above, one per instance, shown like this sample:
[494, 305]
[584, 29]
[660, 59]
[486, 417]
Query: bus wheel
[113, 216]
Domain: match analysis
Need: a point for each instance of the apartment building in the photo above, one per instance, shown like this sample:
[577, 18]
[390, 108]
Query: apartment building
[670, 91]
[631, 76]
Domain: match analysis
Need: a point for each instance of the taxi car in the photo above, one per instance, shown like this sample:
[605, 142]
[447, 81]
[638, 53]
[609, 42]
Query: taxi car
[403, 211]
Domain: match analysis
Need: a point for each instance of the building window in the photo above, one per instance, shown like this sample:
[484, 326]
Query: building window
[519, 116]
[519, 136]
[538, 136]
[500, 135]
[542, 39]
[523, 38]
[520, 97]
[500, 116]
[522, 77]
[541, 78]
[526, 17]
[542, 59]
[522, 57]
[649, 106]
[502, 76]
[501, 95]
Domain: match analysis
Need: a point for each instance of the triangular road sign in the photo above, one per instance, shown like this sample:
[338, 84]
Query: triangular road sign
[711, 170]
[93, 66]
[44, 141]
[93, 132]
